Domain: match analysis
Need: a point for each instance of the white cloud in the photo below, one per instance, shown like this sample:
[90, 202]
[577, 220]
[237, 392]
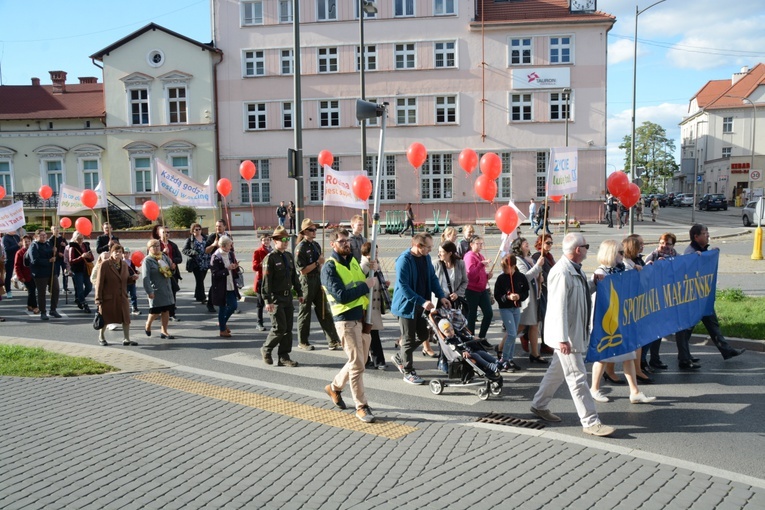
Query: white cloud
[667, 115]
[719, 44]
[621, 50]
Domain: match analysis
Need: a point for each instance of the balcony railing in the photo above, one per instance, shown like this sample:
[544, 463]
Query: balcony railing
[33, 201]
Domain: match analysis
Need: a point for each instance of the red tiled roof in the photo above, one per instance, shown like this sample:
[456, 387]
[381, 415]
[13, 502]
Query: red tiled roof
[730, 96]
[533, 11]
[21, 102]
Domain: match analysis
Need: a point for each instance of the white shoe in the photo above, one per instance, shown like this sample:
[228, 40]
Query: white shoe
[598, 396]
[8, 295]
[640, 398]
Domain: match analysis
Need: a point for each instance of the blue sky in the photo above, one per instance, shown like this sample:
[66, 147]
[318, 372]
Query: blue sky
[682, 45]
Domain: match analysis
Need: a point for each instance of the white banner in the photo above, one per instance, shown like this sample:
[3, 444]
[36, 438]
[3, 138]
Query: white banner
[69, 201]
[179, 188]
[338, 189]
[12, 217]
[562, 172]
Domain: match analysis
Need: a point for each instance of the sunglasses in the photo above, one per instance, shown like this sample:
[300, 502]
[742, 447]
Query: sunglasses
[311, 229]
[585, 246]
[342, 241]
[282, 239]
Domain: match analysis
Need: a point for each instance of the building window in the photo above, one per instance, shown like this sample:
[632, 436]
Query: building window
[176, 102]
[445, 54]
[727, 124]
[90, 173]
[446, 109]
[404, 55]
[541, 173]
[5, 177]
[258, 189]
[403, 8]
[520, 51]
[370, 55]
[252, 13]
[558, 107]
[288, 61]
[285, 11]
[406, 111]
[180, 163]
[316, 178]
[436, 177]
[326, 10]
[54, 171]
[505, 184]
[520, 107]
[388, 177]
[287, 115]
[560, 50]
[327, 60]
[139, 107]
[256, 116]
[254, 63]
[726, 152]
[142, 172]
[329, 113]
[443, 7]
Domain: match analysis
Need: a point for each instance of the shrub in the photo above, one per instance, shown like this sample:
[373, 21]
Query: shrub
[180, 216]
[733, 295]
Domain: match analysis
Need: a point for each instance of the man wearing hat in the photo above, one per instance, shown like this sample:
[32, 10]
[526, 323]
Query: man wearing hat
[279, 278]
[309, 261]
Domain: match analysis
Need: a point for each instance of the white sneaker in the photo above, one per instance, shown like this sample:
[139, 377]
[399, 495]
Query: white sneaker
[599, 430]
[640, 398]
[8, 295]
[598, 396]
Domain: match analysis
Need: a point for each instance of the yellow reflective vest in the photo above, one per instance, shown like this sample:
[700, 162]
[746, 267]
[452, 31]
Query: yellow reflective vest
[351, 277]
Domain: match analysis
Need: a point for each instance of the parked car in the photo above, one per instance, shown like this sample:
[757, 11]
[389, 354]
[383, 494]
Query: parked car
[662, 198]
[748, 214]
[713, 201]
[683, 199]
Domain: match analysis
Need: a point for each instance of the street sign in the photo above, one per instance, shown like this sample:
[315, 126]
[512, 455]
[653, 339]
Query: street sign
[699, 178]
[755, 175]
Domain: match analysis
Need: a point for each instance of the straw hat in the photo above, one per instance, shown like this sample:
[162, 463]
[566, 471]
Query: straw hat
[306, 224]
[280, 232]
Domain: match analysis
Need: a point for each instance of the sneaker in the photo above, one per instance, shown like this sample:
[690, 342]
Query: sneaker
[337, 399]
[413, 378]
[175, 319]
[54, 313]
[286, 362]
[598, 396]
[267, 358]
[365, 414]
[334, 347]
[396, 359]
[382, 367]
[8, 295]
[44, 316]
[136, 311]
[640, 398]
[305, 347]
[261, 327]
[546, 415]
[599, 430]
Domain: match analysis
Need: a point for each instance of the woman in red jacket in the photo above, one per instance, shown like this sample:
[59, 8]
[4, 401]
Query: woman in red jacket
[24, 275]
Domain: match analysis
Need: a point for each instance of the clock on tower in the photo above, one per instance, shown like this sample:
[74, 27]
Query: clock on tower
[583, 5]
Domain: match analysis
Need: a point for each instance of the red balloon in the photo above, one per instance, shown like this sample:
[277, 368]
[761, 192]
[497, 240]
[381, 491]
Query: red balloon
[65, 222]
[485, 188]
[506, 219]
[416, 154]
[45, 192]
[556, 198]
[83, 226]
[617, 182]
[137, 258]
[224, 187]
[247, 169]
[468, 160]
[362, 187]
[631, 195]
[491, 165]
[326, 158]
[150, 209]
[2, 193]
[89, 198]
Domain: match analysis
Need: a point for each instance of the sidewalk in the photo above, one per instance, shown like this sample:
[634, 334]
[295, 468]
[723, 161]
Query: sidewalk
[154, 436]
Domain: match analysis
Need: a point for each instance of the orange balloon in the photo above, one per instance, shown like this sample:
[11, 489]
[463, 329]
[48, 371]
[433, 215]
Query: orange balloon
[224, 186]
[362, 187]
[556, 198]
[89, 198]
[506, 219]
[137, 258]
[2, 193]
[491, 165]
[65, 222]
[485, 188]
[617, 183]
[326, 158]
[45, 192]
[247, 169]
[150, 209]
[416, 154]
[631, 195]
[83, 226]
[468, 160]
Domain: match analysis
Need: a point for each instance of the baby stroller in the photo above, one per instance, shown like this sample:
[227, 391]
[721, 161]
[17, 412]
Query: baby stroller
[479, 369]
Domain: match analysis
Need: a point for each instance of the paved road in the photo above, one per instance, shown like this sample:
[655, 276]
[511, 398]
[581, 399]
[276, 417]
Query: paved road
[203, 421]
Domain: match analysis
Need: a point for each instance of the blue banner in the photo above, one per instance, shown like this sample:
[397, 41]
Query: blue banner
[635, 308]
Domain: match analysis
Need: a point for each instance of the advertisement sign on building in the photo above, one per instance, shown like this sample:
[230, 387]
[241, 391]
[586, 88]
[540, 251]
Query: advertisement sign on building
[540, 78]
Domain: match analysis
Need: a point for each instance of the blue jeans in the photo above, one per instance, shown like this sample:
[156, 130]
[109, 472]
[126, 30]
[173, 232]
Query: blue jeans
[82, 286]
[225, 312]
[133, 296]
[510, 318]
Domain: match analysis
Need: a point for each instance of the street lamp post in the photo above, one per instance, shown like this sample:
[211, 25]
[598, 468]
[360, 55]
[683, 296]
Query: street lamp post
[638, 12]
[365, 7]
[754, 127]
[567, 93]
[297, 119]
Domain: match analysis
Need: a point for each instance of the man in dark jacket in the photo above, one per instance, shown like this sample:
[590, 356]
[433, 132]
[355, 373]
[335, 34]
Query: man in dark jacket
[104, 241]
[348, 294]
[42, 258]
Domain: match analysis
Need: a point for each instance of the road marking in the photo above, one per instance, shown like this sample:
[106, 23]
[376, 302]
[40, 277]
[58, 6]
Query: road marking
[339, 419]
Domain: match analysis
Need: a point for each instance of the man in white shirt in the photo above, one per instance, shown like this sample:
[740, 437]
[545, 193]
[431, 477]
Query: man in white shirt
[532, 213]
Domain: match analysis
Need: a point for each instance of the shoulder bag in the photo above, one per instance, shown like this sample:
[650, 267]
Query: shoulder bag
[460, 303]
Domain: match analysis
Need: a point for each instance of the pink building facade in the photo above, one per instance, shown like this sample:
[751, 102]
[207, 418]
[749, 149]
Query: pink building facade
[457, 74]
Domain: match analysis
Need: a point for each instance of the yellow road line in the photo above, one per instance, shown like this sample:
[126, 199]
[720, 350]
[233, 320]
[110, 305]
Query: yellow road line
[343, 420]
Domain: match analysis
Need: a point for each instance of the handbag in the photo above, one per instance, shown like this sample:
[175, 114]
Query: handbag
[191, 264]
[239, 279]
[98, 321]
[460, 303]
[89, 268]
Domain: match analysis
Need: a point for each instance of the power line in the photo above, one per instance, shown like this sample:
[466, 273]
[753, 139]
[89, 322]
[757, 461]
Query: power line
[693, 49]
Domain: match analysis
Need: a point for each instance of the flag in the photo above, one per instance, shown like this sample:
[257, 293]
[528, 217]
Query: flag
[562, 172]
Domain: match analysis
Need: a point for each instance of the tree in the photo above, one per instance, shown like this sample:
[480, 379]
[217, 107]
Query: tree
[653, 152]
[180, 216]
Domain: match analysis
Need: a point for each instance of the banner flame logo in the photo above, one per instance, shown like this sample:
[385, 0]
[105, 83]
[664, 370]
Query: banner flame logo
[611, 323]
